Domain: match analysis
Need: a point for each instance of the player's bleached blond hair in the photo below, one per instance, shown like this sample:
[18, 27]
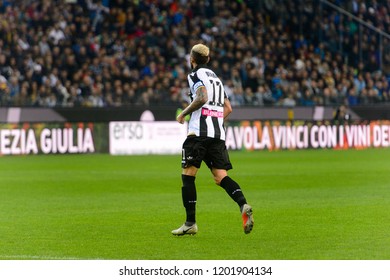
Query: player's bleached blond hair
[200, 53]
[201, 49]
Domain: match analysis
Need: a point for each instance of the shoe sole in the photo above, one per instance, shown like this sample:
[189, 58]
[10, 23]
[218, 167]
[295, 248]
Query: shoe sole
[184, 234]
[248, 226]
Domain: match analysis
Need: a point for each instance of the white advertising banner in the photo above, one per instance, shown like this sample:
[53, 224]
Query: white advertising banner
[136, 138]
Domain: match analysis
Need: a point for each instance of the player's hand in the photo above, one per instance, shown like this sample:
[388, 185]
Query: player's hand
[180, 118]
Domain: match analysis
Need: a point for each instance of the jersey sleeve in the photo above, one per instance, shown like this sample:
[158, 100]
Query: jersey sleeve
[225, 94]
[197, 82]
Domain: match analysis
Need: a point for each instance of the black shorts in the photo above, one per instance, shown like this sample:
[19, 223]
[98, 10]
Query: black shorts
[210, 150]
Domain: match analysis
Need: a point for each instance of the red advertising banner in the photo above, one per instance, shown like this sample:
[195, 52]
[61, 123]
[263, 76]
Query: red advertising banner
[279, 135]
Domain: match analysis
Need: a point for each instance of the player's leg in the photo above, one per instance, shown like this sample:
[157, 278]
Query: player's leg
[191, 161]
[217, 159]
[233, 189]
[188, 192]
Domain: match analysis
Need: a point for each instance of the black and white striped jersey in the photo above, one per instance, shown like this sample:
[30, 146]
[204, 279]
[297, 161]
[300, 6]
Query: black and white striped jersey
[208, 120]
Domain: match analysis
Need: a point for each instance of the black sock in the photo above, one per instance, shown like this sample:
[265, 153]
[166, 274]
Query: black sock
[188, 192]
[233, 190]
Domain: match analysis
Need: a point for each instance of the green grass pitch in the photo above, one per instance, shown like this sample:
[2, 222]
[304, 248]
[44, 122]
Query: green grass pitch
[313, 204]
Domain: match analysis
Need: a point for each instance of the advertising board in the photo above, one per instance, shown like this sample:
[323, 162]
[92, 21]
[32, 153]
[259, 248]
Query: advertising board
[130, 138]
[278, 135]
[52, 138]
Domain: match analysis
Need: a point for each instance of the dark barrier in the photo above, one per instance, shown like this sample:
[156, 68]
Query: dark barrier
[165, 113]
[374, 112]
[169, 113]
[117, 114]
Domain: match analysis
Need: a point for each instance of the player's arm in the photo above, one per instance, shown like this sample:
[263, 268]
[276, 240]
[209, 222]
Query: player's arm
[200, 99]
[227, 108]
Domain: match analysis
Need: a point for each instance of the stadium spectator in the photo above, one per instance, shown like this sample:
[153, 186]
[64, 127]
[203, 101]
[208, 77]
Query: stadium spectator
[55, 53]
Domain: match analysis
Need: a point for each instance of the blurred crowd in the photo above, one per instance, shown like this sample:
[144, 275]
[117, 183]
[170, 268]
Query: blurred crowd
[107, 53]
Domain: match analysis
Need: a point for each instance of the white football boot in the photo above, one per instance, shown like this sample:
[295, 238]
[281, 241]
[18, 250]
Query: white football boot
[186, 230]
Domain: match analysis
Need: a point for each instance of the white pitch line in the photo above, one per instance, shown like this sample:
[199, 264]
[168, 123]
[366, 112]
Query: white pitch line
[31, 257]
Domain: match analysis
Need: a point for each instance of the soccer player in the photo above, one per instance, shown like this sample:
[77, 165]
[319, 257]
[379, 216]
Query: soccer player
[209, 108]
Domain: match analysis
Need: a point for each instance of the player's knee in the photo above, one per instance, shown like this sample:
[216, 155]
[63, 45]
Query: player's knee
[217, 179]
[218, 175]
[190, 171]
